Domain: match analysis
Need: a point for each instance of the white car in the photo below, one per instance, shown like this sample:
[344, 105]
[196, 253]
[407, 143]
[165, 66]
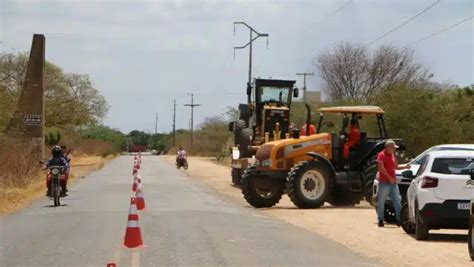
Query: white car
[404, 183]
[439, 194]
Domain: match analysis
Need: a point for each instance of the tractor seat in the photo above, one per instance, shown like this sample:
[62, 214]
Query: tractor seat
[363, 138]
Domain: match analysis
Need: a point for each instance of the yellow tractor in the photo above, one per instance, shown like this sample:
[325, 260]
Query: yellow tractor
[312, 169]
[265, 117]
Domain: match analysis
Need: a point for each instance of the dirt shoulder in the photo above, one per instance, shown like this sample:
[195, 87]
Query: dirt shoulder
[354, 227]
[15, 198]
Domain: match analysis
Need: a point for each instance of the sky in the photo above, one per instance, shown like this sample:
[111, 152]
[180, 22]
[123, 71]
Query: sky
[143, 54]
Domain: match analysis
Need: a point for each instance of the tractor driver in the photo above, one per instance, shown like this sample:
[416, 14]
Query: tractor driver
[354, 138]
[304, 128]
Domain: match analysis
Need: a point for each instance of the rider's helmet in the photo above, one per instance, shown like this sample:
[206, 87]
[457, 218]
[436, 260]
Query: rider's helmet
[56, 152]
[180, 148]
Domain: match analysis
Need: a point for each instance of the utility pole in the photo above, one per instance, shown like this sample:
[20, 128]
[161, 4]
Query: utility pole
[174, 122]
[258, 35]
[304, 74]
[156, 123]
[192, 105]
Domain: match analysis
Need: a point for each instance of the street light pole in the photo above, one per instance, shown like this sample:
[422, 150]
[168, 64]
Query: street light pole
[304, 74]
[192, 106]
[258, 35]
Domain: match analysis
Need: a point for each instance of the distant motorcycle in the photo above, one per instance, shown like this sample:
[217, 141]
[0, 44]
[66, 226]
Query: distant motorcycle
[56, 174]
[182, 161]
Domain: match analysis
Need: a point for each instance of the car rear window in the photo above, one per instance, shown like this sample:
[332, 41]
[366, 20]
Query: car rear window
[453, 165]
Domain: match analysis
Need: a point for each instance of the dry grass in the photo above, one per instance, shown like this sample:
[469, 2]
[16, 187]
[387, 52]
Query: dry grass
[17, 167]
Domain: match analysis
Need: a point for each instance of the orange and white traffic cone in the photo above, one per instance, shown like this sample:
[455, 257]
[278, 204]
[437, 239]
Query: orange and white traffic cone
[136, 183]
[135, 170]
[133, 234]
[140, 199]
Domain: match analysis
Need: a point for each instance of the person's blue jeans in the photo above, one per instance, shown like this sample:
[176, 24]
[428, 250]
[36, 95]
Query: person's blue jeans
[388, 190]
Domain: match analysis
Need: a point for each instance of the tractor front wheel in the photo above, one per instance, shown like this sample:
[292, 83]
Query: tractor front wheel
[236, 176]
[309, 184]
[261, 191]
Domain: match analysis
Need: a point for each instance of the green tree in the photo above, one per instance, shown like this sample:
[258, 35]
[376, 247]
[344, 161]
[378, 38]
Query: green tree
[70, 99]
[138, 137]
[104, 133]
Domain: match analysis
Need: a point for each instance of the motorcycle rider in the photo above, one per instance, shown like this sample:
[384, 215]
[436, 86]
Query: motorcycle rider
[180, 153]
[65, 155]
[56, 160]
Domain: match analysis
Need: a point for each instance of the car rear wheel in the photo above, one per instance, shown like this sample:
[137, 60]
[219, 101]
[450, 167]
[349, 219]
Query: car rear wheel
[421, 229]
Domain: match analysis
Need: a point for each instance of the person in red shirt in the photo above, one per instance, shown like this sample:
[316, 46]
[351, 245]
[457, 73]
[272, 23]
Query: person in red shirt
[387, 164]
[354, 138]
[312, 130]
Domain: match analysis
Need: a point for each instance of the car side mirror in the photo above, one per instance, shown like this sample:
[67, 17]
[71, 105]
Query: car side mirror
[408, 174]
[231, 126]
[296, 92]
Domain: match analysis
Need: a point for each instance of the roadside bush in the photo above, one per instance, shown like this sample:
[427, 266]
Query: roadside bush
[103, 133]
[95, 147]
[427, 117]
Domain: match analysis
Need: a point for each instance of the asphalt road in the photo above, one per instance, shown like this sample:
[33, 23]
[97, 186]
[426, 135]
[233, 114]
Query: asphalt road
[185, 224]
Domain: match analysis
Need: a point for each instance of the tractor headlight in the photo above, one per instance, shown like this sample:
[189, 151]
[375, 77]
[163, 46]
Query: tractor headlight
[55, 171]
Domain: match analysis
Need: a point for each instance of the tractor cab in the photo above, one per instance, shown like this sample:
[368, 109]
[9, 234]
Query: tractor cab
[353, 143]
[265, 117]
[272, 108]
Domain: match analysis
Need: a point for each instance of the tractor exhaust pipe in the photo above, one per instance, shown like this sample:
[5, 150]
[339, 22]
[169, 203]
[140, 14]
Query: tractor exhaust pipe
[308, 118]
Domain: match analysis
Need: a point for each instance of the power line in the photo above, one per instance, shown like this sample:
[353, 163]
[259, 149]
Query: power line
[404, 23]
[174, 122]
[192, 106]
[156, 123]
[342, 7]
[440, 31]
[333, 13]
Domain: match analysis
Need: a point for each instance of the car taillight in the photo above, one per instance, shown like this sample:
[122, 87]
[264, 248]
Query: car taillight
[429, 182]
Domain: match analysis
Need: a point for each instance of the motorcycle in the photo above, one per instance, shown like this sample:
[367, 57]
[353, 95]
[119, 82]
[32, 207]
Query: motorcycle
[56, 174]
[182, 161]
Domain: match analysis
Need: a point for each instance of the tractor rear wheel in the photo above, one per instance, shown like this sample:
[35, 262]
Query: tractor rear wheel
[261, 191]
[236, 176]
[309, 184]
[369, 174]
[343, 197]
